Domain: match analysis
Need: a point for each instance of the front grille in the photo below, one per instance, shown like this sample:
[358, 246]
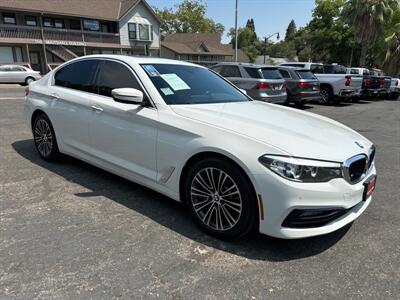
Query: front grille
[357, 169]
[311, 218]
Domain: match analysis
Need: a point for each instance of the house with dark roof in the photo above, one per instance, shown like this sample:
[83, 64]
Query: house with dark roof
[45, 33]
[201, 48]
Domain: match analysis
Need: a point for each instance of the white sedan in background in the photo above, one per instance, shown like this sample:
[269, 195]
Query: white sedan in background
[186, 132]
[18, 74]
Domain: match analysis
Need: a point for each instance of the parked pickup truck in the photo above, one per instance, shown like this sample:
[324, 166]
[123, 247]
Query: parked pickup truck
[386, 82]
[371, 84]
[336, 86]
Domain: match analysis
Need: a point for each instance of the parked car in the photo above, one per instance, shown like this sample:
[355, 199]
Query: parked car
[261, 82]
[385, 83]
[188, 133]
[18, 74]
[371, 84]
[302, 85]
[334, 87]
[395, 88]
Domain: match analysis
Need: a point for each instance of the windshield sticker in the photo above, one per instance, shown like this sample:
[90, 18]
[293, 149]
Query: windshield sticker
[151, 70]
[175, 82]
[167, 91]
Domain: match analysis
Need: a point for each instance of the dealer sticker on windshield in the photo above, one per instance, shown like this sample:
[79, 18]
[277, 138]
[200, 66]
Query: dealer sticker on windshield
[167, 91]
[175, 82]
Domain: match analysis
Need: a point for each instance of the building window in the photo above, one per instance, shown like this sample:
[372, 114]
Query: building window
[144, 32]
[58, 23]
[18, 54]
[75, 24]
[132, 31]
[47, 22]
[9, 19]
[30, 21]
[91, 25]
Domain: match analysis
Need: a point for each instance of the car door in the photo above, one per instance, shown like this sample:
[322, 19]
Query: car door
[122, 134]
[18, 74]
[70, 96]
[4, 74]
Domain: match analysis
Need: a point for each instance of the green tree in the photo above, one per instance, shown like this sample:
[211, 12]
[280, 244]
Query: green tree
[189, 16]
[247, 42]
[367, 17]
[291, 31]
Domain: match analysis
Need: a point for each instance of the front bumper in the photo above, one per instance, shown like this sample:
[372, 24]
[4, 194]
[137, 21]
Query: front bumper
[280, 197]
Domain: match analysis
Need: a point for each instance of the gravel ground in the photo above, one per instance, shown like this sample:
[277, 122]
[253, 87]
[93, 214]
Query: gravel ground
[70, 230]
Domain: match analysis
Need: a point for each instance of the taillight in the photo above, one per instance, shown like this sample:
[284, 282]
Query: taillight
[27, 91]
[382, 80]
[261, 86]
[348, 81]
[367, 82]
[303, 84]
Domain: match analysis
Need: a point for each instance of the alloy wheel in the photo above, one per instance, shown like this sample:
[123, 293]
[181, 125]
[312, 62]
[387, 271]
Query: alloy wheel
[216, 199]
[324, 96]
[43, 137]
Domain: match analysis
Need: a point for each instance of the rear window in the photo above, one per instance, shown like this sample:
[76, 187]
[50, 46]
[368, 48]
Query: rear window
[271, 74]
[317, 69]
[285, 74]
[305, 74]
[253, 72]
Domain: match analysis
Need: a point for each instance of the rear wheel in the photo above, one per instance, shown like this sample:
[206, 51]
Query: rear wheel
[221, 198]
[326, 95]
[45, 138]
[29, 80]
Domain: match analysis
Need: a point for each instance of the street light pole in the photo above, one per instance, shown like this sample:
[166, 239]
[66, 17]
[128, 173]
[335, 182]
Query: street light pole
[266, 41]
[236, 31]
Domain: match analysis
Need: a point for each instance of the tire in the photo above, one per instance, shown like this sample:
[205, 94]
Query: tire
[216, 189]
[45, 138]
[326, 95]
[29, 80]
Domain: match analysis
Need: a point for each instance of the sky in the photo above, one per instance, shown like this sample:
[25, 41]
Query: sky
[269, 16]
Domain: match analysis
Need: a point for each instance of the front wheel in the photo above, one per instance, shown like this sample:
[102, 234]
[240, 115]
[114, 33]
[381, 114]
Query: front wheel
[45, 138]
[29, 80]
[221, 198]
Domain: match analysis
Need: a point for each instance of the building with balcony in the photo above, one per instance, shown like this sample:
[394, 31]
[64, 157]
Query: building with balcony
[201, 48]
[44, 33]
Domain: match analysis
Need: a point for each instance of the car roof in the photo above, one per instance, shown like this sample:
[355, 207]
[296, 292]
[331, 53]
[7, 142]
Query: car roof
[291, 68]
[300, 63]
[247, 65]
[137, 59]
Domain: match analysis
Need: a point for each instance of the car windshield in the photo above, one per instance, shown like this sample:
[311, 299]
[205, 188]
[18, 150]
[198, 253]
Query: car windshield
[271, 74]
[306, 74]
[182, 84]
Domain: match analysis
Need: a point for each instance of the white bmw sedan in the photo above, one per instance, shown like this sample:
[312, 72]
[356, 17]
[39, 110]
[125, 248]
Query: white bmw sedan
[186, 132]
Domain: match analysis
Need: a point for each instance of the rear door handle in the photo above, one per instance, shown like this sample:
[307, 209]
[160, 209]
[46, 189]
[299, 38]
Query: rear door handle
[97, 108]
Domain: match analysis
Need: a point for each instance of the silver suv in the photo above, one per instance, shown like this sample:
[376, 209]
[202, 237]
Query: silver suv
[261, 82]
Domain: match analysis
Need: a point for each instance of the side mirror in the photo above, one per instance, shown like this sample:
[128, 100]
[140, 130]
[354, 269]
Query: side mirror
[243, 91]
[127, 95]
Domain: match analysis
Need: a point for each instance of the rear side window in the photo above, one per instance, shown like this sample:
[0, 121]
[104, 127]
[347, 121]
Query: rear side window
[317, 69]
[285, 74]
[271, 74]
[253, 72]
[78, 76]
[305, 74]
[114, 75]
[230, 71]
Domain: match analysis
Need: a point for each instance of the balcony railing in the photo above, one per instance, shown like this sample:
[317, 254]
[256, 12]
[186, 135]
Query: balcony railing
[61, 36]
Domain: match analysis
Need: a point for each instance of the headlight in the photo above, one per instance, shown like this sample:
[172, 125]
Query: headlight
[302, 170]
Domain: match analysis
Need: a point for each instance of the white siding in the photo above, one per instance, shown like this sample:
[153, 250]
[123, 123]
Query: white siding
[139, 11]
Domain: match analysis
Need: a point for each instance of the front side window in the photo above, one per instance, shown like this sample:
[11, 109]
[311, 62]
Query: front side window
[317, 69]
[114, 75]
[180, 84]
[230, 71]
[30, 21]
[144, 32]
[132, 31]
[9, 19]
[78, 76]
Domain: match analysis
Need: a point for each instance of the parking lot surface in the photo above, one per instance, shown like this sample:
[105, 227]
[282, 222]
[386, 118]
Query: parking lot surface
[70, 230]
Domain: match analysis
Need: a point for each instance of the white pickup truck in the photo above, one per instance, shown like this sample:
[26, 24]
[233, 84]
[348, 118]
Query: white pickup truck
[395, 88]
[335, 85]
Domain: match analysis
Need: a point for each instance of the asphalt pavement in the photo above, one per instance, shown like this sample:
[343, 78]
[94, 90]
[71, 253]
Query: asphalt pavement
[69, 230]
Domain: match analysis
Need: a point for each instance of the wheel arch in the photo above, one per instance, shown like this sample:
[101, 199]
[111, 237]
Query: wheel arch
[37, 112]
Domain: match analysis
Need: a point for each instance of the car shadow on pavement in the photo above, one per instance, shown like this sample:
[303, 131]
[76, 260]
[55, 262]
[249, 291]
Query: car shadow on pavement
[172, 214]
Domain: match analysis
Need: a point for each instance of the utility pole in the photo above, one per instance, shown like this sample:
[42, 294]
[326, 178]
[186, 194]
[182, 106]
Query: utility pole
[236, 31]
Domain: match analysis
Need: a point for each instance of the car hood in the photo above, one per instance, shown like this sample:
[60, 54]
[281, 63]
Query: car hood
[294, 132]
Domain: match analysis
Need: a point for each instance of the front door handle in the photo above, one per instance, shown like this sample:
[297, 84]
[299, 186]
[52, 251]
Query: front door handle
[97, 108]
